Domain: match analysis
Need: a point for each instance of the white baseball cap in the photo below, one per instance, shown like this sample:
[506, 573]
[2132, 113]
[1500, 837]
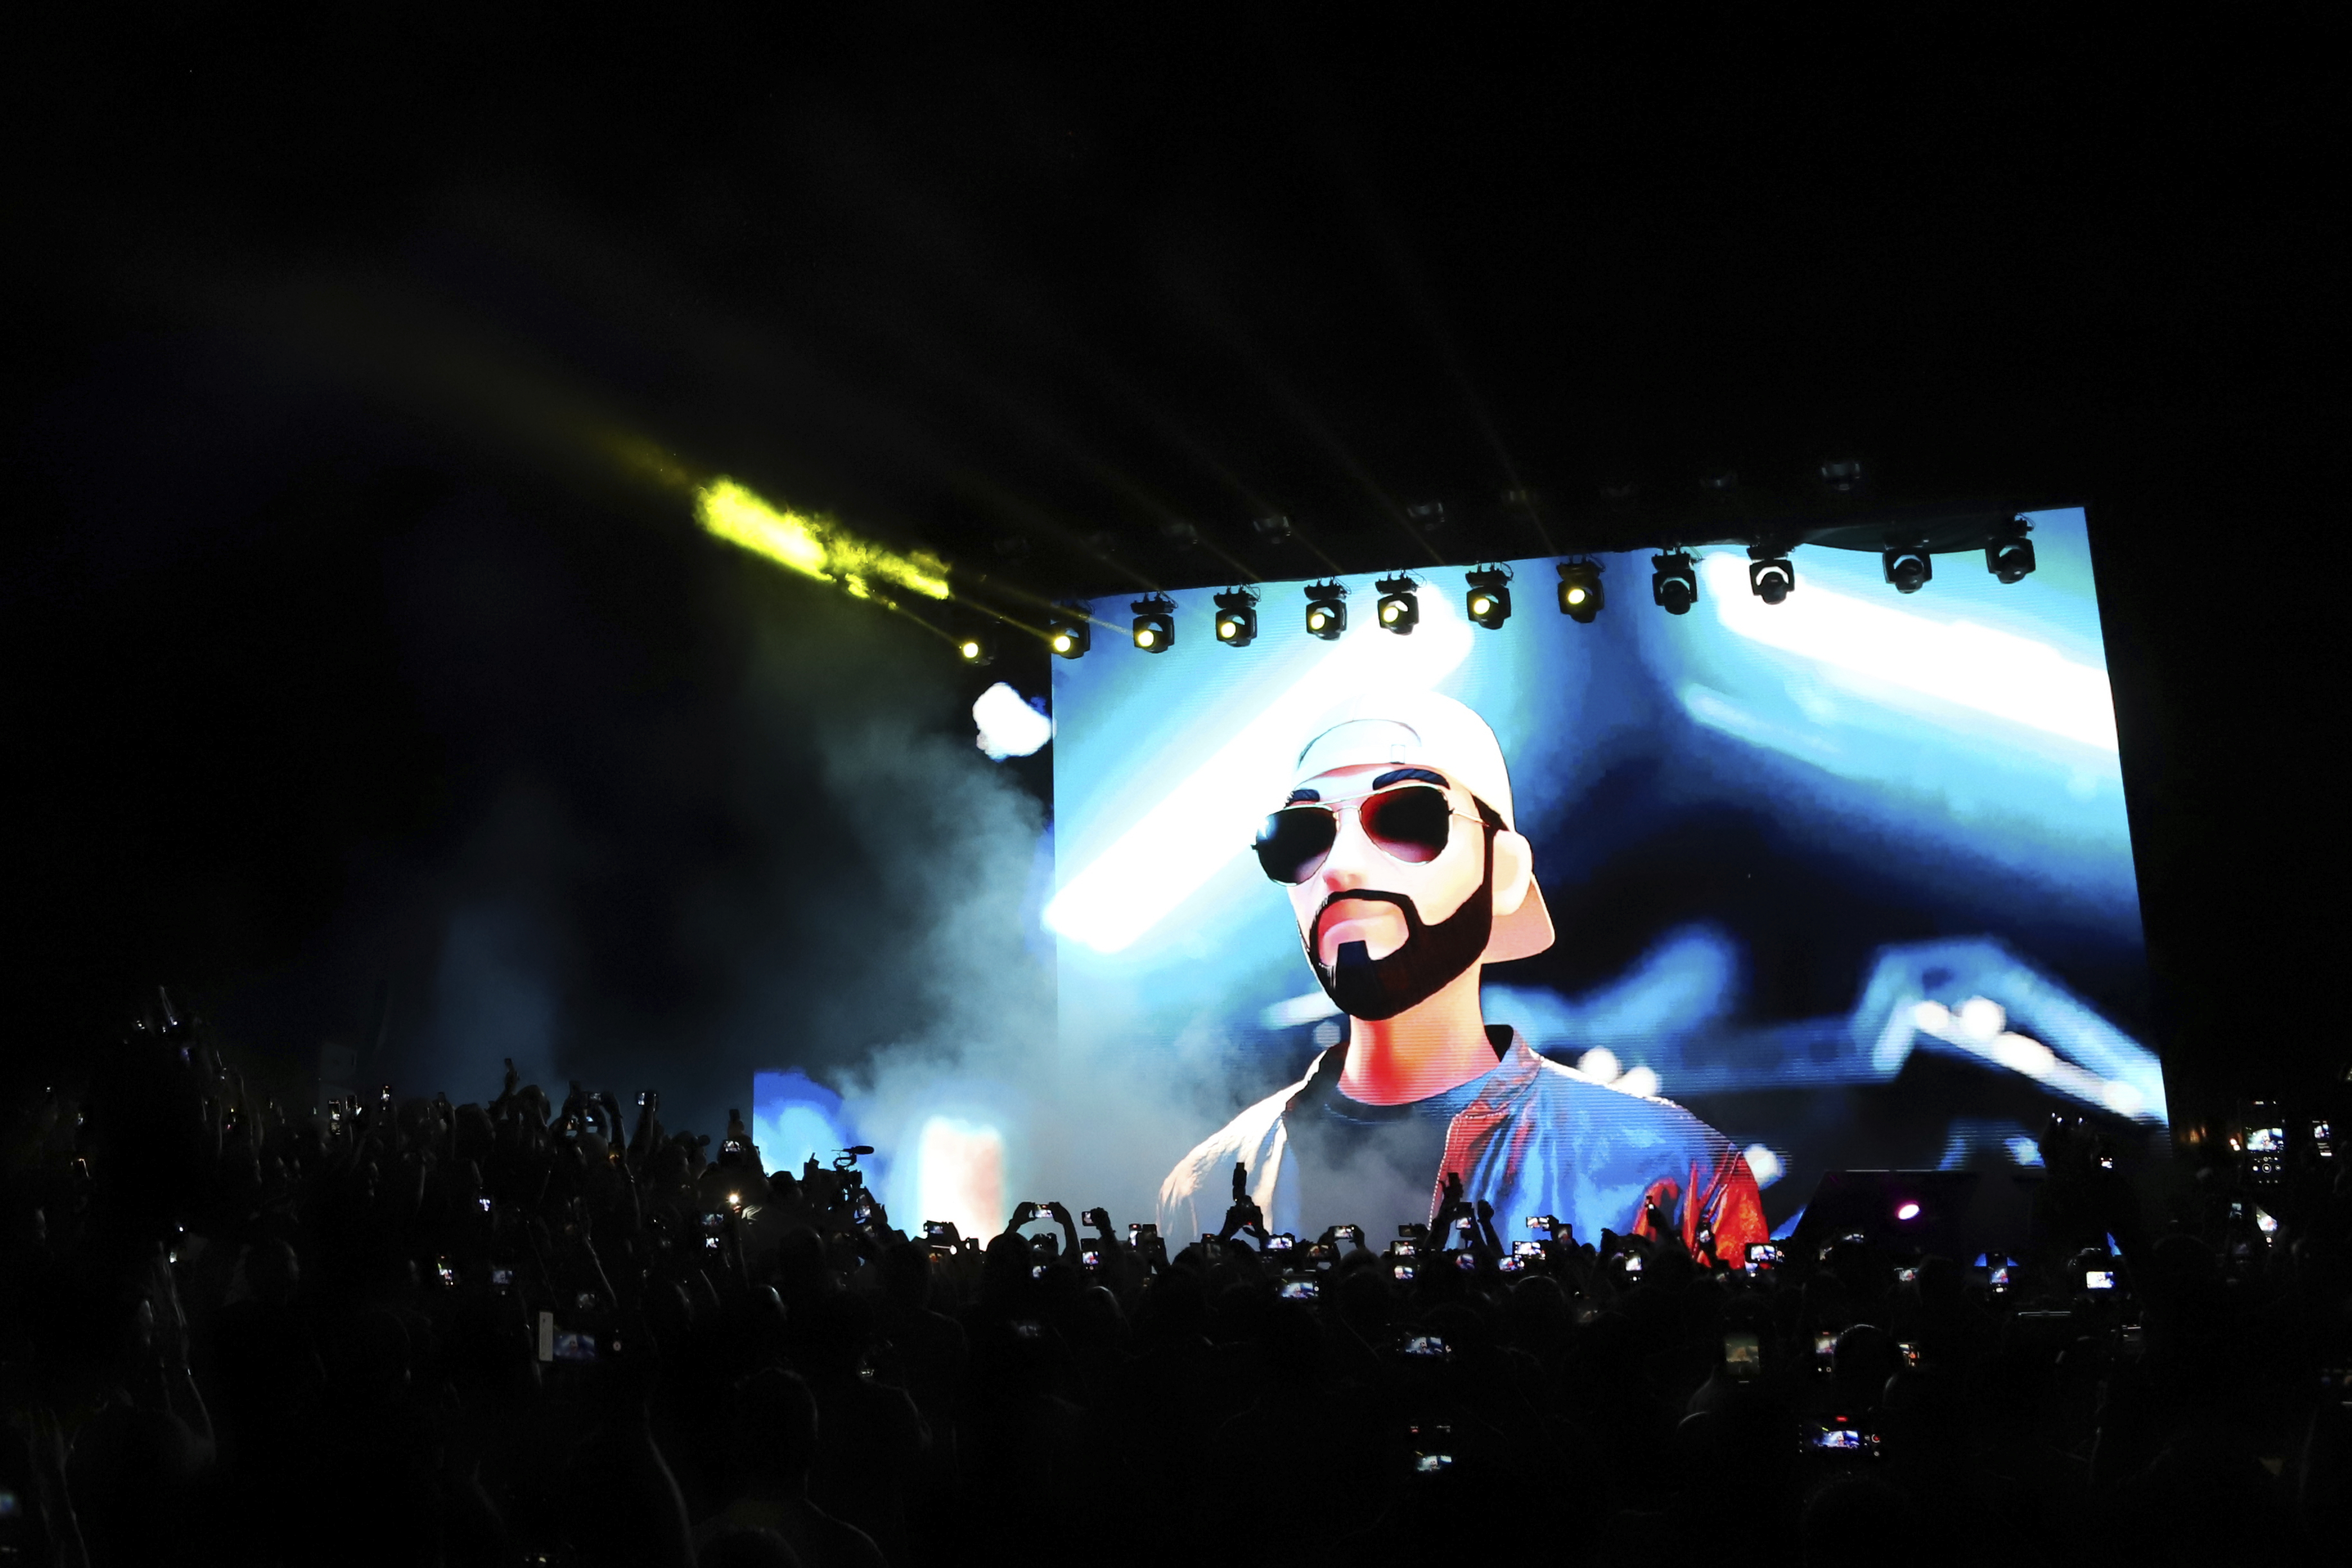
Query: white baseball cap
[1429, 730]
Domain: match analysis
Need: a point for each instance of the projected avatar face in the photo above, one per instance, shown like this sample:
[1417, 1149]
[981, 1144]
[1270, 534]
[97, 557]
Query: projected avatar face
[1401, 900]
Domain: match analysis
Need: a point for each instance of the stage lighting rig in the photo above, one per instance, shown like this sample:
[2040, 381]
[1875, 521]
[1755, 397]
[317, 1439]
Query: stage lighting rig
[1843, 476]
[1674, 582]
[1155, 623]
[1327, 609]
[1908, 568]
[1237, 618]
[976, 645]
[1770, 574]
[1068, 632]
[1400, 606]
[1580, 596]
[1487, 601]
[1429, 518]
[2009, 554]
[1274, 530]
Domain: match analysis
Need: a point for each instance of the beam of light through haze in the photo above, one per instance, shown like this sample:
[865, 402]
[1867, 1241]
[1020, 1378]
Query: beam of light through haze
[814, 546]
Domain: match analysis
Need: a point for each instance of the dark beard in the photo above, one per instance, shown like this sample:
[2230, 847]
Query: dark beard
[1432, 955]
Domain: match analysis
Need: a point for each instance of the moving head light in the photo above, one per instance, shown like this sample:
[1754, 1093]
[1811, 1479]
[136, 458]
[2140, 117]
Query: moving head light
[2009, 554]
[1581, 597]
[1400, 606]
[1327, 609]
[1237, 618]
[1909, 569]
[1674, 582]
[1068, 632]
[1155, 623]
[1487, 601]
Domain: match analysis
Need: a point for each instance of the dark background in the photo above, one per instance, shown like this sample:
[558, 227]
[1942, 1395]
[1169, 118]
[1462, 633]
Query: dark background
[323, 326]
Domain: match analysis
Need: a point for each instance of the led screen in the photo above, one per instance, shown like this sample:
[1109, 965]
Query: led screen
[1846, 879]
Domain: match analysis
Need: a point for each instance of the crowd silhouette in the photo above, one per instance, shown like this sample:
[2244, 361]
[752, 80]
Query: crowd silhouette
[518, 1331]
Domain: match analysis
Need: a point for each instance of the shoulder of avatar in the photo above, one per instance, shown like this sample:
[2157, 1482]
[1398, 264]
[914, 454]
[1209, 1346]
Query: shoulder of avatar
[1212, 1158]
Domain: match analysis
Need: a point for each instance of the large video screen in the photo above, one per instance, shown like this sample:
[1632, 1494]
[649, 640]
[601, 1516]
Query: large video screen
[1840, 882]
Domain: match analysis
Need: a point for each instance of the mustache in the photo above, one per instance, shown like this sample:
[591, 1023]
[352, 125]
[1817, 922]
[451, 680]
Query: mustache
[1363, 896]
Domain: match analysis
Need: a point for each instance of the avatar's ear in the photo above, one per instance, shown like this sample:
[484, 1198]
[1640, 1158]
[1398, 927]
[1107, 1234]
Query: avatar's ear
[1514, 871]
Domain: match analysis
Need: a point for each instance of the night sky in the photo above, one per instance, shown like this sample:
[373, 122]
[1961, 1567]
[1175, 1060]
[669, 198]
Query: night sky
[331, 617]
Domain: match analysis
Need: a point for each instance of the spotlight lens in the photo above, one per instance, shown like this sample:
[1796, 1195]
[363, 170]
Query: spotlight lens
[1317, 621]
[1481, 605]
[1226, 628]
[1576, 595]
[1389, 611]
[1144, 638]
[971, 650]
[1061, 642]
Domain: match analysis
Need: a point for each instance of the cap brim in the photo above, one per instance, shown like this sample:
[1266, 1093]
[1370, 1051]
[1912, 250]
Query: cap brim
[1522, 934]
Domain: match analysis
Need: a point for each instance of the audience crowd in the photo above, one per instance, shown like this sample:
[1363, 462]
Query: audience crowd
[408, 1332]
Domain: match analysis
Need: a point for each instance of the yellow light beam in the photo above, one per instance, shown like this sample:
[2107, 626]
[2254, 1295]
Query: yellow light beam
[814, 546]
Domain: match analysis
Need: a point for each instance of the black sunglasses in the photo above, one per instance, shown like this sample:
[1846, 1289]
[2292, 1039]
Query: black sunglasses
[1410, 824]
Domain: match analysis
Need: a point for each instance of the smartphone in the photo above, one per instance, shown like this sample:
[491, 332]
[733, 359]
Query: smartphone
[1543, 1225]
[1908, 1352]
[2323, 1140]
[1300, 1289]
[2098, 1279]
[1426, 1345]
[485, 1203]
[1633, 1262]
[1527, 1250]
[448, 1275]
[1838, 1435]
[1512, 1263]
[1467, 1262]
[1043, 1207]
[1402, 1273]
[1908, 1274]
[1137, 1234]
[502, 1279]
[563, 1343]
[1743, 1354]
[1281, 1241]
[1762, 1255]
[862, 1211]
[1401, 1248]
[1090, 1257]
[938, 1230]
[1430, 1464]
[1826, 1348]
[2001, 1276]
[1354, 1233]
